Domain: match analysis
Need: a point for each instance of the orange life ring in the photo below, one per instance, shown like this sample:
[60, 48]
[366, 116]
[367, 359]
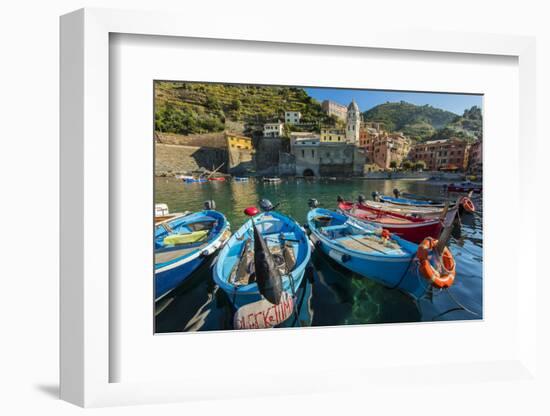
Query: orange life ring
[468, 205]
[440, 280]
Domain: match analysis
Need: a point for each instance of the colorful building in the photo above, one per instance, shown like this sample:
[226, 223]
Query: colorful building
[450, 154]
[383, 148]
[240, 153]
[329, 135]
[235, 141]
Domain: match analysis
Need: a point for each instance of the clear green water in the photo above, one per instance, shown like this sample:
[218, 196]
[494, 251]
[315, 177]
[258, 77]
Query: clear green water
[330, 295]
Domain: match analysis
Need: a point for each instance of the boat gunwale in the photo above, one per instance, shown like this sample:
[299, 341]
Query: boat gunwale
[295, 273]
[180, 260]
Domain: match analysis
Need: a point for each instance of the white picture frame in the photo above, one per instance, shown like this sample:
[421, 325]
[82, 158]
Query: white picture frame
[86, 356]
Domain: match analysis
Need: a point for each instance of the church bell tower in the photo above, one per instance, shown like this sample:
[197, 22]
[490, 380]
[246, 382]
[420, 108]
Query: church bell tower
[353, 123]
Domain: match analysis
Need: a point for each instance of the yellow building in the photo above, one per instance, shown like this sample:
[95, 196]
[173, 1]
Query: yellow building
[235, 141]
[333, 136]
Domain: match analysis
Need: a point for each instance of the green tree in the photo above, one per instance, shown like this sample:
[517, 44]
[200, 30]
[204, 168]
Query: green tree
[212, 103]
[407, 165]
[393, 164]
[420, 165]
[236, 105]
[286, 130]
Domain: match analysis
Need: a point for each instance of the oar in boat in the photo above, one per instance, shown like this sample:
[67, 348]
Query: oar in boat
[269, 280]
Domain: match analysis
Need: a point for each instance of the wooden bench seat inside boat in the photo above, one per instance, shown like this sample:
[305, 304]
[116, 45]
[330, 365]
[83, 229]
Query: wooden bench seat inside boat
[165, 256]
[368, 244]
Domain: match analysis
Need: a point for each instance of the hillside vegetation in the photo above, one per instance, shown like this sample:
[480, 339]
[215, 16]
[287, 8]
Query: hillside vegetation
[195, 108]
[418, 122]
[468, 126]
[190, 108]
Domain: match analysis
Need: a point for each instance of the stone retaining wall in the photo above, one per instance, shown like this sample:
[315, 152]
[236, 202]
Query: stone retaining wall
[175, 159]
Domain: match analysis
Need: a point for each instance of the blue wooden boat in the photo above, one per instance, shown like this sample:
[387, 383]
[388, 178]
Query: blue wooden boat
[183, 243]
[287, 243]
[367, 250]
[411, 202]
[195, 180]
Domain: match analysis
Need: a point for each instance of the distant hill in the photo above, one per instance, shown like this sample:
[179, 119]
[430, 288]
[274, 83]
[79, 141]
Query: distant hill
[468, 126]
[191, 108]
[417, 122]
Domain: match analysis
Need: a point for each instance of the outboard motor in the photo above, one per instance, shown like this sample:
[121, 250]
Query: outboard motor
[312, 203]
[266, 205]
[210, 205]
[375, 195]
[361, 199]
[397, 193]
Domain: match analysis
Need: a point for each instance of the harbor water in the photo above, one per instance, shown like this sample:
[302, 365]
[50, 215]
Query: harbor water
[329, 295]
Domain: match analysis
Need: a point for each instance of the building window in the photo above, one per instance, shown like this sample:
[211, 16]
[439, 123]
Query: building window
[303, 153]
[312, 153]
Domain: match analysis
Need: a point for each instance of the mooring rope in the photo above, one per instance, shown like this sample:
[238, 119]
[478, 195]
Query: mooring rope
[404, 274]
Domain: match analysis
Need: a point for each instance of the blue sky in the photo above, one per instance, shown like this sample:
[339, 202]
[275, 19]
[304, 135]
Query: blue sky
[367, 99]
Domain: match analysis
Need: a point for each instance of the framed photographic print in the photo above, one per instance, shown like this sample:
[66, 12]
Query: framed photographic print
[289, 194]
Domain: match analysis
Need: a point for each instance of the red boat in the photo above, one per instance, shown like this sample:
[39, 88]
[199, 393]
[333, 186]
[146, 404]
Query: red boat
[217, 178]
[407, 227]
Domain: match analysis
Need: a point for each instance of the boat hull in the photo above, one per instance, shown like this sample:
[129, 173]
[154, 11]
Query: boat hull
[167, 280]
[396, 272]
[419, 212]
[411, 229]
[187, 180]
[410, 202]
[172, 273]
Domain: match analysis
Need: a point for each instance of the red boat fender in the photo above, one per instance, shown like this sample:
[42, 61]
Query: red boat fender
[385, 234]
[468, 204]
[251, 211]
[439, 280]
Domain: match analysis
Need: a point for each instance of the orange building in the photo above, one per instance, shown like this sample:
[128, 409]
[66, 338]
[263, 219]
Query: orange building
[383, 148]
[449, 154]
